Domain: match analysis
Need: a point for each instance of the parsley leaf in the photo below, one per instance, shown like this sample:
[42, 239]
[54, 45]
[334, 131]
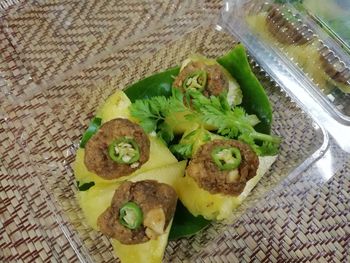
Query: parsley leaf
[231, 122]
[165, 132]
[181, 150]
[152, 112]
[191, 141]
[142, 110]
[234, 122]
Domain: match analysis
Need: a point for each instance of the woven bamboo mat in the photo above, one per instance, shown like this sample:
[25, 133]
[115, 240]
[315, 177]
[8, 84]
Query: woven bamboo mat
[307, 222]
[304, 223]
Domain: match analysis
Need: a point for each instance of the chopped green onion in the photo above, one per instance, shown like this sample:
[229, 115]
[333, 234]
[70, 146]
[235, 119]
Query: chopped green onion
[93, 128]
[195, 80]
[226, 158]
[130, 215]
[124, 150]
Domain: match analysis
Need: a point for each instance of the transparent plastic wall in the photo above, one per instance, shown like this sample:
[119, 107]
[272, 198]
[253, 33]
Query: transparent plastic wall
[300, 55]
[83, 52]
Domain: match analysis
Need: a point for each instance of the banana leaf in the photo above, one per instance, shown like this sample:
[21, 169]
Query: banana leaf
[255, 100]
[158, 84]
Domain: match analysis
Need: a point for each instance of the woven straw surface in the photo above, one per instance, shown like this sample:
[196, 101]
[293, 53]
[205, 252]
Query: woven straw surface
[39, 219]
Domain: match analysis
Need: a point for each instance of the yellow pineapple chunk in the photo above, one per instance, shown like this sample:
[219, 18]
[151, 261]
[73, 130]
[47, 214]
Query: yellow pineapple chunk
[167, 174]
[178, 122]
[98, 198]
[116, 106]
[95, 201]
[216, 206]
[151, 251]
[159, 155]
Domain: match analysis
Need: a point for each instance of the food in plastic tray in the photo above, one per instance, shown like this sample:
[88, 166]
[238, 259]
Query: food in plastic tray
[298, 37]
[75, 97]
[213, 115]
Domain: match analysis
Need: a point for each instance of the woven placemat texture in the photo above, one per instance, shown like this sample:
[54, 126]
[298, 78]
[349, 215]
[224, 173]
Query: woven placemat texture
[302, 223]
[43, 42]
[28, 229]
[307, 222]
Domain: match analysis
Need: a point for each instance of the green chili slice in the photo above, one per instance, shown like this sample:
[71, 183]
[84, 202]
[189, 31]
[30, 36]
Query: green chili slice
[195, 80]
[130, 215]
[93, 127]
[226, 158]
[124, 150]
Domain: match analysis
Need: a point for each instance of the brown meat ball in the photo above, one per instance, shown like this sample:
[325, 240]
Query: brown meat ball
[150, 196]
[208, 175]
[332, 65]
[97, 158]
[285, 30]
[217, 82]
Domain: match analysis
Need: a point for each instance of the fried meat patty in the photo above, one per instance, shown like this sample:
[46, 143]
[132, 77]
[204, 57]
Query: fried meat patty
[97, 158]
[157, 202]
[210, 177]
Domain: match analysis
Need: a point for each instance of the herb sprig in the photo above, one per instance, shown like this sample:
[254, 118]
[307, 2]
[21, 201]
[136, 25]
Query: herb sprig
[152, 113]
[231, 122]
[234, 123]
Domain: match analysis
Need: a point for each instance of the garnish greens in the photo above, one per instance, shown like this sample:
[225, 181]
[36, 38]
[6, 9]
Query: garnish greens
[231, 122]
[190, 142]
[182, 150]
[152, 114]
[234, 123]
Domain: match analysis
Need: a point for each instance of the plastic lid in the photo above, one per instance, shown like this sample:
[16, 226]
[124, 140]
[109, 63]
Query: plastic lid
[304, 57]
[331, 15]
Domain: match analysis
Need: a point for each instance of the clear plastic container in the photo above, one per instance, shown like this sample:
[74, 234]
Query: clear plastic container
[77, 76]
[294, 48]
[303, 139]
[332, 16]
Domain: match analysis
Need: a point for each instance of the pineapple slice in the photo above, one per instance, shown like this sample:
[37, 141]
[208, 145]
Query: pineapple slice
[178, 122]
[95, 201]
[98, 198]
[159, 156]
[217, 206]
[150, 252]
[167, 174]
[116, 106]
